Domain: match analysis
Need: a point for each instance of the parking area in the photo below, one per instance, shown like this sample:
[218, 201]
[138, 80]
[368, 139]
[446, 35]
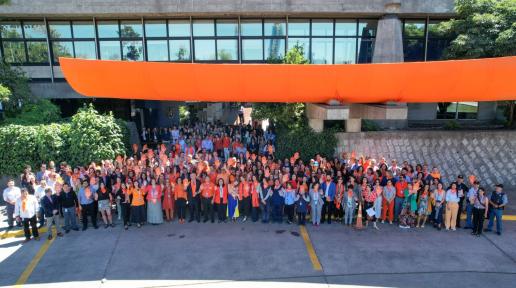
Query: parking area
[261, 255]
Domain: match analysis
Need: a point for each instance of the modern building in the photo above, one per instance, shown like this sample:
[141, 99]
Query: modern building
[34, 33]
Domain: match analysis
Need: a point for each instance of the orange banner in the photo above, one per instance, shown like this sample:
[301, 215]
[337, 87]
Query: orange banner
[489, 79]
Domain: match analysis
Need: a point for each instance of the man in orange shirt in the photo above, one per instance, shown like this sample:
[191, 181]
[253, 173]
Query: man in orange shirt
[226, 142]
[400, 185]
[207, 188]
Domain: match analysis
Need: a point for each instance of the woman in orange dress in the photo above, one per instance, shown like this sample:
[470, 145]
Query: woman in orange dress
[168, 201]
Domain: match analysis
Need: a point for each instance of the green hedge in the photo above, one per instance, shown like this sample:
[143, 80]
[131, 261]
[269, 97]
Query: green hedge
[88, 137]
[305, 141]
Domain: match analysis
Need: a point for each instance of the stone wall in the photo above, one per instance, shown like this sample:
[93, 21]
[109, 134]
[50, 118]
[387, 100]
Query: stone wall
[490, 155]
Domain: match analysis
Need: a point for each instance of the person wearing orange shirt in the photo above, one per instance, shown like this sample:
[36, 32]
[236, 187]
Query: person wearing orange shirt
[220, 199]
[194, 198]
[168, 201]
[180, 197]
[256, 190]
[207, 189]
[137, 204]
[154, 208]
[244, 199]
[226, 143]
[400, 185]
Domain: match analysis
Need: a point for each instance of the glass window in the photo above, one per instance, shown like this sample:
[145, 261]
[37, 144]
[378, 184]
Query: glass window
[251, 28]
[38, 52]
[227, 28]
[303, 42]
[274, 49]
[34, 30]
[110, 50]
[83, 29]
[457, 110]
[14, 52]
[85, 49]
[60, 29]
[204, 50]
[156, 28]
[322, 50]
[227, 50]
[414, 28]
[345, 50]
[434, 30]
[180, 50]
[346, 27]
[203, 28]
[11, 30]
[157, 50]
[131, 29]
[274, 28]
[435, 49]
[62, 49]
[252, 49]
[298, 28]
[322, 28]
[367, 28]
[179, 28]
[365, 50]
[108, 29]
[414, 50]
[132, 50]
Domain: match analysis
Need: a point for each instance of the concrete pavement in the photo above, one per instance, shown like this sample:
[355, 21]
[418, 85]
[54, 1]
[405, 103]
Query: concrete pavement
[264, 255]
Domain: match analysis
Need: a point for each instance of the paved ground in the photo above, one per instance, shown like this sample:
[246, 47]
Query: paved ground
[259, 255]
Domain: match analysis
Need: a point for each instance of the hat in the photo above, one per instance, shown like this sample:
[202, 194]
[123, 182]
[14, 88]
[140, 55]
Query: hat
[460, 176]
[499, 185]
[476, 182]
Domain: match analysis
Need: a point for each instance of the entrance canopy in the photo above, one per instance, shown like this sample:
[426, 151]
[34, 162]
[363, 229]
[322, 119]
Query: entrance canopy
[489, 79]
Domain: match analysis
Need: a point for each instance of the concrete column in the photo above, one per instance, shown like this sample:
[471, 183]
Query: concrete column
[354, 125]
[316, 124]
[388, 46]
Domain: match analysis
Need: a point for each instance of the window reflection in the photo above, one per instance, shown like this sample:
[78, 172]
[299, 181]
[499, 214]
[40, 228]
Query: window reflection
[83, 29]
[252, 49]
[131, 29]
[11, 30]
[367, 28]
[132, 50]
[251, 27]
[274, 28]
[60, 29]
[298, 28]
[157, 50]
[37, 51]
[180, 50]
[179, 28]
[274, 49]
[108, 29]
[204, 50]
[62, 49]
[303, 42]
[14, 52]
[203, 28]
[34, 30]
[85, 49]
[345, 50]
[110, 50]
[346, 27]
[227, 28]
[365, 50]
[322, 50]
[322, 28]
[457, 110]
[227, 50]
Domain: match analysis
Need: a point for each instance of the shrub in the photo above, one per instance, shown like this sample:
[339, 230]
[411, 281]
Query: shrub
[368, 125]
[305, 141]
[452, 125]
[41, 112]
[94, 137]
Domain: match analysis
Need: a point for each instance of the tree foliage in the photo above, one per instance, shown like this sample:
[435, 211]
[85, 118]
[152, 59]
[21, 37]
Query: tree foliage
[14, 80]
[41, 112]
[284, 115]
[483, 29]
[307, 142]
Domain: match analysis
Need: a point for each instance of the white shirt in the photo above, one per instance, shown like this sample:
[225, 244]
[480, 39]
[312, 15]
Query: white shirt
[11, 194]
[31, 207]
[39, 192]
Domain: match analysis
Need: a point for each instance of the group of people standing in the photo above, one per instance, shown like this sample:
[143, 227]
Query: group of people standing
[221, 173]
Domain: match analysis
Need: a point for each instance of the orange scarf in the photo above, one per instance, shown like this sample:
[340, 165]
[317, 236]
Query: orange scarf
[24, 205]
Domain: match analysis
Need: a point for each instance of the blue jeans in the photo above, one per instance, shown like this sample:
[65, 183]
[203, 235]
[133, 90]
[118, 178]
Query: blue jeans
[266, 211]
[70, 219]
[498, 214]
[398, 205]
[469, 215]
[348, 215]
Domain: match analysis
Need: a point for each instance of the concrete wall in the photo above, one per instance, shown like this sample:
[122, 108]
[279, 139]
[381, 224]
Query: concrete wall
[428, 111]
[54, 90]
[490, 155]
[62, 8]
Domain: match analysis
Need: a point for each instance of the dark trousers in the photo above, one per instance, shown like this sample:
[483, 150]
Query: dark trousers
[207, 209]
[459, 213]
[277, 212]
[181, 208]
[301, 218]
[478, 220]
[10, 213]
[255, 211]
[327, 211]
[32, 222]
[126, 213]
[338, 212]
[88, 209]
[289, 210]
[245, 206]
[221, 211]
[266, 211]
[194, 207]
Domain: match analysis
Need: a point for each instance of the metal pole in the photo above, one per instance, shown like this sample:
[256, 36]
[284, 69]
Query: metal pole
[49, 51]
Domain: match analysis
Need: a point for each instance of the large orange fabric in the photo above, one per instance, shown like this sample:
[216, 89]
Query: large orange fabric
[487, 79]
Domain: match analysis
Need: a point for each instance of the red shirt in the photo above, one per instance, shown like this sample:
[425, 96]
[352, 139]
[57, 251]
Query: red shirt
[400, 187]
[207, 190]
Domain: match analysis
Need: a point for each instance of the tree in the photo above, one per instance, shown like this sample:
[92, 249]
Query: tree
[181, 54]
[284, 115]
[17, 84]
[483, 29]
[134, 48]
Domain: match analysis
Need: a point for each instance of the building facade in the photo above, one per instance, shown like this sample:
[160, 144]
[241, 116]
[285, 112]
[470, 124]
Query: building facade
[34, 33]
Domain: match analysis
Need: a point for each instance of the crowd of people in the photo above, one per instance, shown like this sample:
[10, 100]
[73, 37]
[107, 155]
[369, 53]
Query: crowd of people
[206, 172]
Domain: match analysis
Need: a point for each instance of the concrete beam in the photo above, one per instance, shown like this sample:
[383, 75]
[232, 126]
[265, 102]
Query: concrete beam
[160, 8]
[354, 125]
